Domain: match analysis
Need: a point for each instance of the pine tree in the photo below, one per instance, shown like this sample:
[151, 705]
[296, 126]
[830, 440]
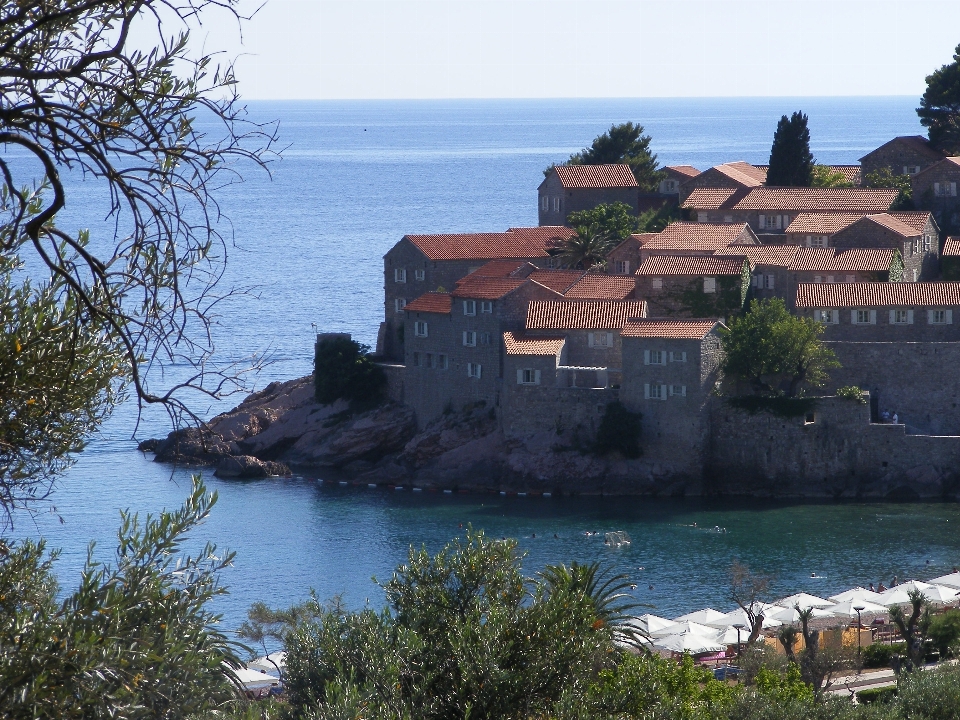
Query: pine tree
[791, 162]
[939, 109]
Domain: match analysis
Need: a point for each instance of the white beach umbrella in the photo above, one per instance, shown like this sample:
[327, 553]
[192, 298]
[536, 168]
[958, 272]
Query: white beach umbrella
[951, 580]
[691, 642]
[254, 679]
[275, 662]
[650, 624]
[791, 615]
[804, 600]
[857, 595]
[739, 616]
[900, 595]
[846, 609]
[941, 594]
[728, 635]
[705, 616]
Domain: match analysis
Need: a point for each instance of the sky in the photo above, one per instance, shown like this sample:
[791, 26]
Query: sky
[377, 49]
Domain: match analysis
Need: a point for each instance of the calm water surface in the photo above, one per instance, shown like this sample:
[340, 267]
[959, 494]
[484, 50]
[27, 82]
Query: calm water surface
[356, 176]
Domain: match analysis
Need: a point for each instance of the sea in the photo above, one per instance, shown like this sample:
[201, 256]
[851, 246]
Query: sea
[308, 237]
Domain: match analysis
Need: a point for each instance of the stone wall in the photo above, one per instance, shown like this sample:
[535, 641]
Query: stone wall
[919, 262]
[576, 199]
[885, 331]
[536, 409]
[897, 155]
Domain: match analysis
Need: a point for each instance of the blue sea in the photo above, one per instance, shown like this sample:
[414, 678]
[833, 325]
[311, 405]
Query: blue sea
[353, 179]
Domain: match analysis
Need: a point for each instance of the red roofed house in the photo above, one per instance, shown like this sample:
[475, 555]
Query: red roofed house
[732, 176]
[935, 189]
[571, 188]
[919, 249]
[678, 238]
[694, 286]
[674, 176]
[950, 259]
[769, 264]
[454, 342]
[906, 155]
[424, 263]
[670, 369]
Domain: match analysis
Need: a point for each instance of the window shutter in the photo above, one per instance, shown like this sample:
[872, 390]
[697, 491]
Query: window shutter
[953, 189]
[646, 361]
[771, 279]
[763, 222]
[853, 317]
[609, 339]
[949, 317]
[893, 315]
[519, 377]
[929, 317]
[589, 339]
[936, 188]
[683, 391]
[479, 369]
[909, 317]
[646, 391]
[464, 337]
[536, 376]
[873, 317]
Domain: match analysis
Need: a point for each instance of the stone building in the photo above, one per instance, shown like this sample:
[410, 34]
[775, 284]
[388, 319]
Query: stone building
[935, 189]
[769, 266]
[905, 155]
[733, 176]
[674, 177]
[571, 188]
[770, 210]
[694, 286]
[687, 238]
[670, 370]
[950, 259]
[426, 263]
[817, 229]
[883, 312]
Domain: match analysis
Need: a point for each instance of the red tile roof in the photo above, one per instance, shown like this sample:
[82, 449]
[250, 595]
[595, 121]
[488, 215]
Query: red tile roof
[582, 314]
[891, 223]
[595, 176]
[850, 172]
[433, 302]
[767, 255]
[593, 286]
[744, 173]
[897, 294]
[795, 199]
[829, 223]
[691, 236]
[519, 344]
[559, 280]
[688, 171]
[709, 265]
[487, 288]
[839, 260]
[516, 243]
[951, 247]
[949, 160]
[497, 269]
[669, 329]
[917, 219]
[917, 143]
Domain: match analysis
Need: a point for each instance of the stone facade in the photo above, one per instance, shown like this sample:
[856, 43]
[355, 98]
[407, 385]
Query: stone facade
[555, 201]
[908, 155]
[920, 251]
[936, 189]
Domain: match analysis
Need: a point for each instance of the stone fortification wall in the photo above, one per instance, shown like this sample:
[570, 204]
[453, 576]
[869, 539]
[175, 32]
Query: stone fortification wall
[840, 454]
[395, 375]
[916, 380]
[532, 409]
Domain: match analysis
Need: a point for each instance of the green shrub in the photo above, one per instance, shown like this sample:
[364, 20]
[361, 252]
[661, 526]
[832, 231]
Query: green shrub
[342, 368]
[930, 694]
[619, 430]
[945, 631]
[877, 695]
[878, 655]
[852, 392]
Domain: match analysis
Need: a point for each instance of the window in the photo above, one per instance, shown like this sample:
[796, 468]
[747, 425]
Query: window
[399, 304]
[420, 329]
[901, 317]
[678, 356]
[556, 204]
[486, 306]
[911, 169]
[400, 275]
[851, 278]
[545, 203]
[484, 338]
[657, 284]
[863, 317]
[768, 281]
[473, 370]
[703, 217]
[600, 339]
[420, 275]
[429, 361]
[830, 317]
[622, 267]
[469, 307]
[528, 376]
[818, 278]
[940, 317]
[442, 362]
[945, 189]
[728, 218]
[654, 357]
[655, 391]
[469, 338]
[678, 390]
[416, 359]
[552, 263]
[709, 285]
[830, 278]
[817, 241]
[926, 243]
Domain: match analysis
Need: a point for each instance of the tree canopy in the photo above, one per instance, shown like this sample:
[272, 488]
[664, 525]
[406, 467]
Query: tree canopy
[791, 162]
[87, 315]
[939, 109]
[884, 178]
[615, 219]
[774, 352]
[826, 176]
[624, 143]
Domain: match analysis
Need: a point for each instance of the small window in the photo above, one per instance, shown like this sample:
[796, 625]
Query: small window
[678, 390]
[545, 203]
[809, 418]
[830, 278]
[442, 362]
[600, 340]
[420, 329]
[817, 241]
[851, 278]
[469, 307]
[728, 218]
[900, 317]
[830, 317]
[703, 217]
[486, 306]
[416, 359]
[657, 284]
[556, 204]
[420, 275]
[469, 338]
[473, 370]
[940, 317]
[709, 285]
[484, 338]
[400, 275]
[678, 356]
[528, 376]
[768, 281]
[654, 357]
[622, 267]
[399, 304]
[863, 317]
[818, 278]
[655, 391]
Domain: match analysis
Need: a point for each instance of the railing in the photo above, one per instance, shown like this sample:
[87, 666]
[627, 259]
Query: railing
[573, 376]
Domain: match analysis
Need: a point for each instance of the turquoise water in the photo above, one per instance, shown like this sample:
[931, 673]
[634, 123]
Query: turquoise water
[354, 178]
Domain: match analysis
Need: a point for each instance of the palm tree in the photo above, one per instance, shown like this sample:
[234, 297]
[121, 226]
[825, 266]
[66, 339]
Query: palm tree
[588, 249]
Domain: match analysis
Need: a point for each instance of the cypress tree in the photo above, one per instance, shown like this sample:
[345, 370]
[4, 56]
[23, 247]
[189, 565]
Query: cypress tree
[791, 162]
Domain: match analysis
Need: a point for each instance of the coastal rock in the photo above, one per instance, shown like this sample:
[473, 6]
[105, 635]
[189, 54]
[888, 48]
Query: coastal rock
[247, 466]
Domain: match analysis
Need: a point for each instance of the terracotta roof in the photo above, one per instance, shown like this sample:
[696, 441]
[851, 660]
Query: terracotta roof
[518, 344]
[695, 236]
[839, 260]
[433, 302]
[496, 269]
[949, 160]
[897, 294]
[710, 198]
[709, 265]
[559, 280]
[549, 235]
[850, 172]
[891, 223]
[744, 173]
[951, 247]
[796, 199]
[822, 223]
[515, 243]
[917, 219]
[487, 288]
[593, 286]
[917, 143]
[595, 176]
[670, 329]
[684, 170]
[769, 255]
[582, 314]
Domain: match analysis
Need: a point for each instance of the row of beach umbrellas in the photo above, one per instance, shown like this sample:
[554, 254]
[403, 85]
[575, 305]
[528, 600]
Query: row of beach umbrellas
[709, 630]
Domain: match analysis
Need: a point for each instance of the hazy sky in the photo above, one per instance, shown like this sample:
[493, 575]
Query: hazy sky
[588, 48]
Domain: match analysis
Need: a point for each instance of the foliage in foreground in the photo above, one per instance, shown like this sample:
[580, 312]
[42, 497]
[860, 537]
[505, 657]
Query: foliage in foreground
[134, 640]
